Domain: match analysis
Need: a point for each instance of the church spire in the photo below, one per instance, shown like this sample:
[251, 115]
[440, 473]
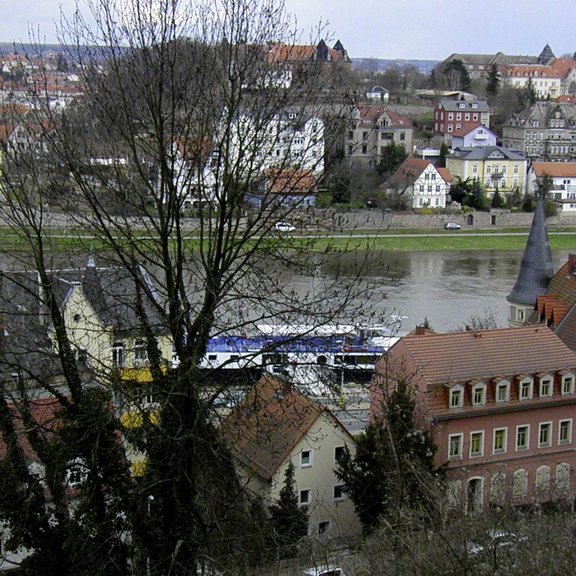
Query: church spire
[535, 270]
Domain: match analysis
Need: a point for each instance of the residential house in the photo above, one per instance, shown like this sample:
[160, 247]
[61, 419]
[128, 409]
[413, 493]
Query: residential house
[475, 134]
[452, 115]
[427, 184]
[560, 180]
[286, 63]
[372, 129]
[478, 65]
[546, 132]
[293, 138]
[288, 187]
[494, 167]
[378, 93]
[499, 406]
[98, 306]
[275, 425]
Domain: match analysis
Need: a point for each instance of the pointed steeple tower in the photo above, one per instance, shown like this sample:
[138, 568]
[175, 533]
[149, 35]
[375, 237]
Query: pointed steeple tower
[535, 272]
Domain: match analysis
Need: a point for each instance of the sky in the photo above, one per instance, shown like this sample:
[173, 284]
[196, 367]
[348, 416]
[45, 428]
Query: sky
[405, 29]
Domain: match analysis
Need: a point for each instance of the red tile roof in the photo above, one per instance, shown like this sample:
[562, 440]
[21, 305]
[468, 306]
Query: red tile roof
[555, 169]
[268, 424]
[291, 181]
[460, 356]
[466, 128]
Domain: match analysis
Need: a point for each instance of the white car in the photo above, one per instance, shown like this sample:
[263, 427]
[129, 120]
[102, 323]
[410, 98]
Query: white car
[452, 226]
[284, 227]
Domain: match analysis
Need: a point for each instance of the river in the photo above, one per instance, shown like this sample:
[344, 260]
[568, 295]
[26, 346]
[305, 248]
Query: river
[446, 288]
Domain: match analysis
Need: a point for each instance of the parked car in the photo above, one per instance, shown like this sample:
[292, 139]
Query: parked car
[452, 226]
[284, 227]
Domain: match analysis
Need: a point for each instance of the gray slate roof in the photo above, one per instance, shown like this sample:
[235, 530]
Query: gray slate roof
[536, 269]
[483, 153]
[465, 105]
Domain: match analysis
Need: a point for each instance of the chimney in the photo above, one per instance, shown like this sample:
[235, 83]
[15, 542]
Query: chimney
[420, 330]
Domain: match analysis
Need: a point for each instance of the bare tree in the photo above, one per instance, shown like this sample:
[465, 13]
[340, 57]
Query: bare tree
[185, 107]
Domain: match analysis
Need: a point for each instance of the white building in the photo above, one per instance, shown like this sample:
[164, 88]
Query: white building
[562, 183]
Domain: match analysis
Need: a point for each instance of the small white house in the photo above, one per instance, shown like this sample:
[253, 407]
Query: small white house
[378, 94]
[427, 184]
[562, 183]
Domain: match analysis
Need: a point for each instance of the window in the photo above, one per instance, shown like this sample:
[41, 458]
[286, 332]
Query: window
[500, 435]
[522, 437]
[456, 397]
[545, 387]
[118, 354]
[323, 527]
[364, 149]
[479, 395]
[402, 136]
[364, 135]
[450, 116]
[339, 492]
[304, 499]
[545, 435]
[568, 384]
[565, 432]
[455, 446]
[305, 458]
[503, 391]
[339, 453]
[525, 389]
[475, 169]
[476, 444]
[140, 354]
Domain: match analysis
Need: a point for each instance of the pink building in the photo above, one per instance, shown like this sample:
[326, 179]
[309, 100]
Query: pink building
[499, 405]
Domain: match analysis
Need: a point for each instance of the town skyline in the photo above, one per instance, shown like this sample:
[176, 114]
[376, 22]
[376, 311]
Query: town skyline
[390, 30]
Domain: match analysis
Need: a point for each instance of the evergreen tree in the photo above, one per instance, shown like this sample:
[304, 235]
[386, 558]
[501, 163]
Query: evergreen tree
[393, 466]
[477, 199]
[497, 200]
[391, 158]
[493, 78]
[443, 153]
[289, 520]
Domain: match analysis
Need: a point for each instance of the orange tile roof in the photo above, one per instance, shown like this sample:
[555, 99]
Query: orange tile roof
[466, 128]
[291, 181]
[445, 173]
[268, 424]
[542, 71]
[460, 356]
[555, 169]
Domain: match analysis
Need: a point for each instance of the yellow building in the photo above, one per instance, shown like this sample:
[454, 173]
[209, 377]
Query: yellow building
[493, 166]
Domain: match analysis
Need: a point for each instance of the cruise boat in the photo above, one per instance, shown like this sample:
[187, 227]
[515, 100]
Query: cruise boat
[276, 348]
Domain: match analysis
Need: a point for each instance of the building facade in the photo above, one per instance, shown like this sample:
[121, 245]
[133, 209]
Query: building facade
[452, 115]
[499, 406]
[494, 167]
[546, 132]
[372, 129]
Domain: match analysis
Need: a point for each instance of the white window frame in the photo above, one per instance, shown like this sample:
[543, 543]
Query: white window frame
[308, 500]
[567, 379]
[530, 383]
[568, 439]
[460, 390]
[480, 452]
[542, 426]
[504, 448]
[306, 455]
[457, 456]
[342, 496]
[523, 447]
[506, 385]
[544, 380]
[479, 387]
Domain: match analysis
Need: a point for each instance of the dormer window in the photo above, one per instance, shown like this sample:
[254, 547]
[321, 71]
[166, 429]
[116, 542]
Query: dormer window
[479, 394]
[474, 105]
[461, 105]
[525, 388]
[503, 391]
[567, 386]
[456, 397]
[545, 387]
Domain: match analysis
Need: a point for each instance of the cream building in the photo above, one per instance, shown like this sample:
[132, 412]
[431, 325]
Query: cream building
[275, 425]
[493, 166]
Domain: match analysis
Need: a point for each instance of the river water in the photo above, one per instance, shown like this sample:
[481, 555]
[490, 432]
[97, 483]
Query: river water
[447, 288]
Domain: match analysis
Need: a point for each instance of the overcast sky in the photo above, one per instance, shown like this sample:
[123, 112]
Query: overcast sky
[425, 29]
